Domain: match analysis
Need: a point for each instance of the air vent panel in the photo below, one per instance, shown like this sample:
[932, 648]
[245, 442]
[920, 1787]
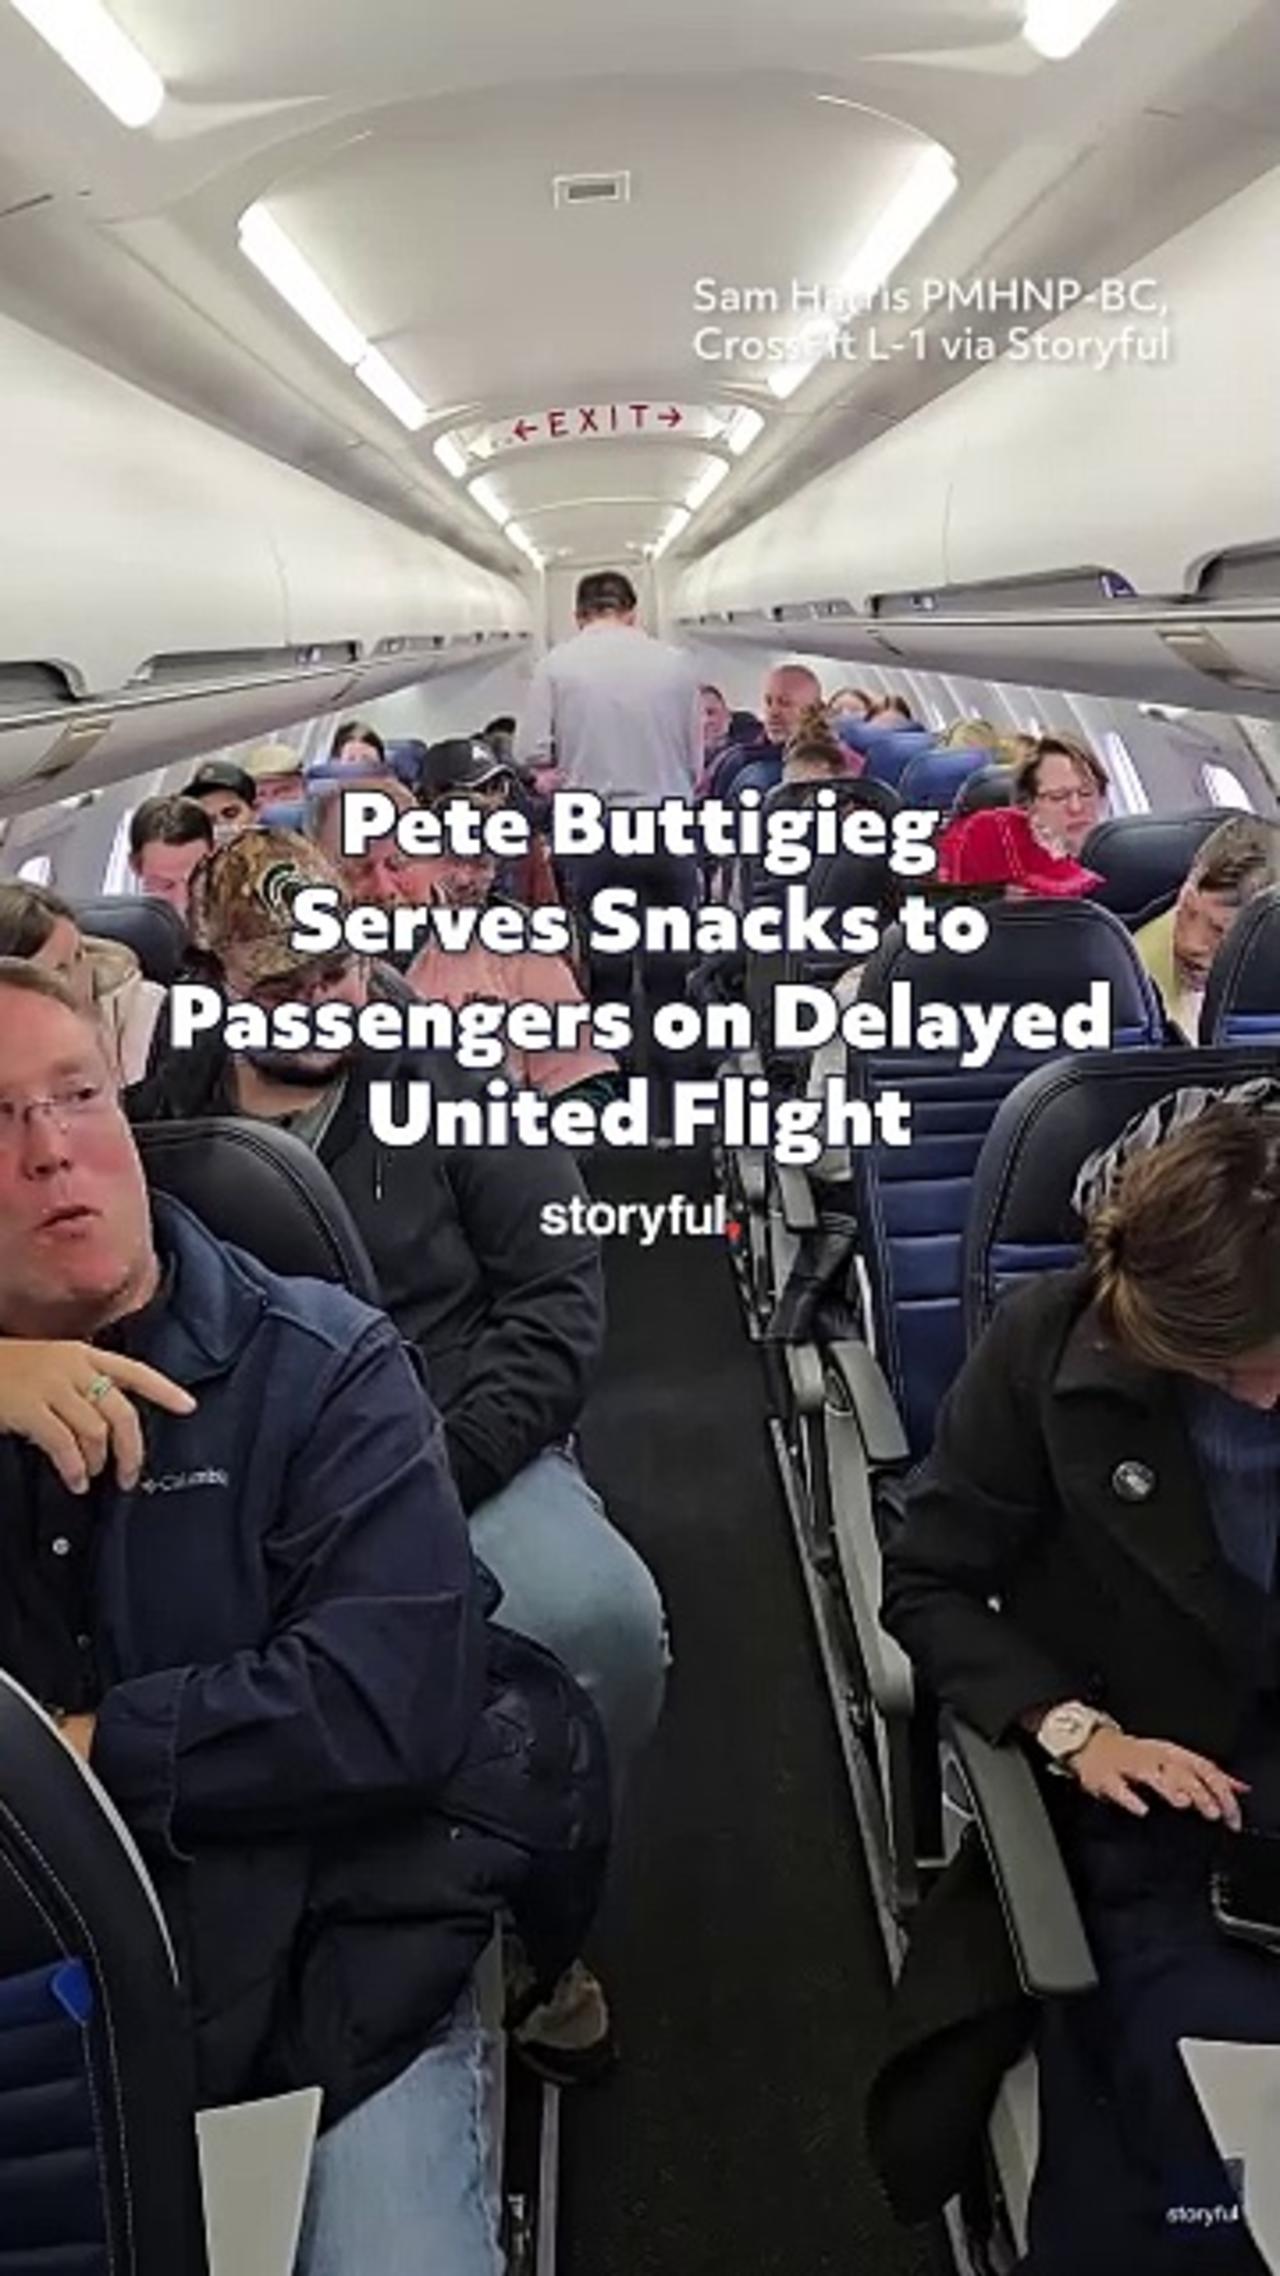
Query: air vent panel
[592, 189]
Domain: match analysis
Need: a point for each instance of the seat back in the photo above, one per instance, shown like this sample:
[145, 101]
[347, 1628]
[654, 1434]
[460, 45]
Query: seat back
[933, 778]
[261, 1190]
[153, 930]
[1021, 1220]
[1242, 1001]
[754, 884]
[986, 786]
[890, 753]
[1143, 859]
[98, 2166]
[912, 1201]
[283, 814]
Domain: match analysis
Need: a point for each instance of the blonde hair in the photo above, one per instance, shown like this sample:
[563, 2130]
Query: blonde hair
[815, 738]
[970, 735]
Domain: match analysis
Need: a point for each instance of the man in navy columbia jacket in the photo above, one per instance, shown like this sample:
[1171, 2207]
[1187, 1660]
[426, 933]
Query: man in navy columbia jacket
[258, 1616]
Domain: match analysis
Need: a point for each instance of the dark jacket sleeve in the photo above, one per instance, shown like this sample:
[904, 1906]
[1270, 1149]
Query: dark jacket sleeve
[366, 1689]
[973, 1511]
[528, 1373]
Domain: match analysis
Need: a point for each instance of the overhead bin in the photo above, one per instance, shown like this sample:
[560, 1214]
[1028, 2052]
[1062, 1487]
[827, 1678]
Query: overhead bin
[170, 589]
[1127, 485]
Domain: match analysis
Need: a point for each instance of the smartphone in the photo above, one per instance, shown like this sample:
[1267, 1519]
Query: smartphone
[1244, 1889]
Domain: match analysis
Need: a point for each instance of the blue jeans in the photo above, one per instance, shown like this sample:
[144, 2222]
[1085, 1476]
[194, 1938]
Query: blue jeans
[402, 2186]
[571, 1582]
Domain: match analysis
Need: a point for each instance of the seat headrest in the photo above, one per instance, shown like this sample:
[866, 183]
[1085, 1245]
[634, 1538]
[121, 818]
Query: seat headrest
[261, 1190]
[850, 790]
[1144, 859]
[1021, 1219]
[154, 931]
[932, 778]
[890, 755]
[867, 735]
[987, 786]
[283, 814]
[1242, 1000]
[1036, 952]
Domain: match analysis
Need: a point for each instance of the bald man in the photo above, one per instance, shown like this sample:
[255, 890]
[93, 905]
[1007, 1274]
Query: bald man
[789, 691]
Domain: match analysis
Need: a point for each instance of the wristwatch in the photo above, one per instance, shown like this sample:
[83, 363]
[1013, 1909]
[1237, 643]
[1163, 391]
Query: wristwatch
[1068, 1728]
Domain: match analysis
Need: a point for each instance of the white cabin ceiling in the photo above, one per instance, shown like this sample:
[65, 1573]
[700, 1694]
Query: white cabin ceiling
[410, 153]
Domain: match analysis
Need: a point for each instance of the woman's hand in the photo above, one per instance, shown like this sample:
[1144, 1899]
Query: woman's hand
[51, 1394]
[1111, 1766]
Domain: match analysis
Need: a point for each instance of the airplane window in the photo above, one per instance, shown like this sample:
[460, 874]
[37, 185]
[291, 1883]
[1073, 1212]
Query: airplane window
[1223, 788]
[37, 871]
[1127, 783]
[119, 875]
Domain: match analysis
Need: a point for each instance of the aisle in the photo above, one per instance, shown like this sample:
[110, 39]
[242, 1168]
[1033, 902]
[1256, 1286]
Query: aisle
[738, 1946]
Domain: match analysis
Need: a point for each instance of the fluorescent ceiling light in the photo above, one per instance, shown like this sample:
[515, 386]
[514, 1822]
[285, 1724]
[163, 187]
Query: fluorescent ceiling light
[710, 479]
[743, 428]
[1056, 28]
[487, 497]
[525, 542]
[277, 258]
[929, 186]
[452, 459]
[385, 382]
[95, 48]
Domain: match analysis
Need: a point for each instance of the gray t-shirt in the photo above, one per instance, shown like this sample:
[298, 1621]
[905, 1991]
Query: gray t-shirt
[622, 713]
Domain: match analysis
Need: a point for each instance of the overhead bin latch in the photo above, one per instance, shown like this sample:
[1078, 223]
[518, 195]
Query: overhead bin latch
[71, 746]
[1194, 644]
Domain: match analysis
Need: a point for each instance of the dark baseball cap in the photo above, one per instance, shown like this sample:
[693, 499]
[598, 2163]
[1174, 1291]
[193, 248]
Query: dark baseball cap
[461, 762]
[220, 774]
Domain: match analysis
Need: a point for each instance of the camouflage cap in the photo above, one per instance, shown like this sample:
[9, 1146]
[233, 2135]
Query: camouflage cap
[242, 899]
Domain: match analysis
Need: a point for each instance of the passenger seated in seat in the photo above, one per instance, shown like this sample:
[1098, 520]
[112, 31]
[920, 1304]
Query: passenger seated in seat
[227, 793]
[237, 1571]
[356, 744]
[1087, 1567]
[465, 768]
[814, 754]
[385, 877]
[1064, 789]
[998, 853]
[851, 703]
[103, 976]
[509, 1318]
[168, 838]
[790, 691]
[1238, 862]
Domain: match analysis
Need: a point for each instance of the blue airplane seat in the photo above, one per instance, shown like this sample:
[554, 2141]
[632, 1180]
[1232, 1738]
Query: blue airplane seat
[1242, 1001]
[912, 1201]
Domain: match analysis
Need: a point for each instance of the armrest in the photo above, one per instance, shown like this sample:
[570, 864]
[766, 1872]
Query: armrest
[1038, 1901]
[753, 1177]
[852, 1467]
[862, 1379]
[796, 1196]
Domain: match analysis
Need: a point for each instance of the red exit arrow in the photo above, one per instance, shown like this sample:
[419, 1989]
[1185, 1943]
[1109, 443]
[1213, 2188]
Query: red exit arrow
[672, 418]
[523, 428]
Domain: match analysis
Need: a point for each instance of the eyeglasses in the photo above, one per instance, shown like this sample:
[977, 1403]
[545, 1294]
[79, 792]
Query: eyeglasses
[72, 1103]
[1079, 794]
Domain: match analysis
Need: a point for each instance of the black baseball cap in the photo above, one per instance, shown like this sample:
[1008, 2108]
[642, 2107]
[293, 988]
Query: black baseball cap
[461, 762]
[220, 774]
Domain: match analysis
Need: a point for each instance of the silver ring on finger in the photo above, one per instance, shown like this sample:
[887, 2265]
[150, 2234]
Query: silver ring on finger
[99, 1388]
